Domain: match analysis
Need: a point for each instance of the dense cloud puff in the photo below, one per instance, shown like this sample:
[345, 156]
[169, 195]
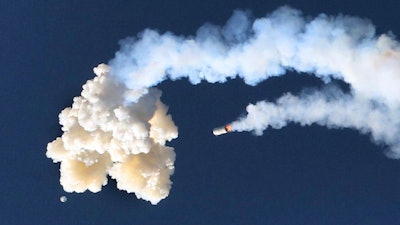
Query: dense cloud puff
[104, 134]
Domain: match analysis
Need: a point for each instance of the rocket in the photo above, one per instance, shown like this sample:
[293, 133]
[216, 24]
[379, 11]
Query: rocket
[222, 130]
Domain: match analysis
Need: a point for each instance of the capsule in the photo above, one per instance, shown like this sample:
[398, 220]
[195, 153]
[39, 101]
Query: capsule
[222, 130]
[63, 198]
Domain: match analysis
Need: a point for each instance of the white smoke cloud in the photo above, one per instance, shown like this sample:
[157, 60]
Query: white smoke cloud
[105, 133]
[331, 108]
[342, 47]
[118, 126]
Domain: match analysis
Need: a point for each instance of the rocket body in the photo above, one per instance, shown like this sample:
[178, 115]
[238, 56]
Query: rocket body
[222, 130]
[219, 131]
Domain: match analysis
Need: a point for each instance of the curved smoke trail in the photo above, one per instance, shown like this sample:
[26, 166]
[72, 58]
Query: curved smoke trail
[119, 127]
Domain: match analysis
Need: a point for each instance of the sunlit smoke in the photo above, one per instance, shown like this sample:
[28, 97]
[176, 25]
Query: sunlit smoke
[106, 134]
[119, 127]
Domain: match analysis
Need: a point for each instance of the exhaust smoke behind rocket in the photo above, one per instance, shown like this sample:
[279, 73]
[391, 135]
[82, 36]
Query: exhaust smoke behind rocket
[119, 127]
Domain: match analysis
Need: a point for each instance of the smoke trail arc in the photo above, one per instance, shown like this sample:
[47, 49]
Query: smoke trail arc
[119, 127]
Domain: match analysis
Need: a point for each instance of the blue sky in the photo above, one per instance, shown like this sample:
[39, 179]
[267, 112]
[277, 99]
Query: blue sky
[295, 175]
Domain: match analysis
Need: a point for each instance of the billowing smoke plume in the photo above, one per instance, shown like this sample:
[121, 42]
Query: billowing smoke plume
[331, 108]
[107, 134]
[119, 127]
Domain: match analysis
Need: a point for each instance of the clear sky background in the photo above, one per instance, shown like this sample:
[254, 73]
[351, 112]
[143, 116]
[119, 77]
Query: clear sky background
[296, 175]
